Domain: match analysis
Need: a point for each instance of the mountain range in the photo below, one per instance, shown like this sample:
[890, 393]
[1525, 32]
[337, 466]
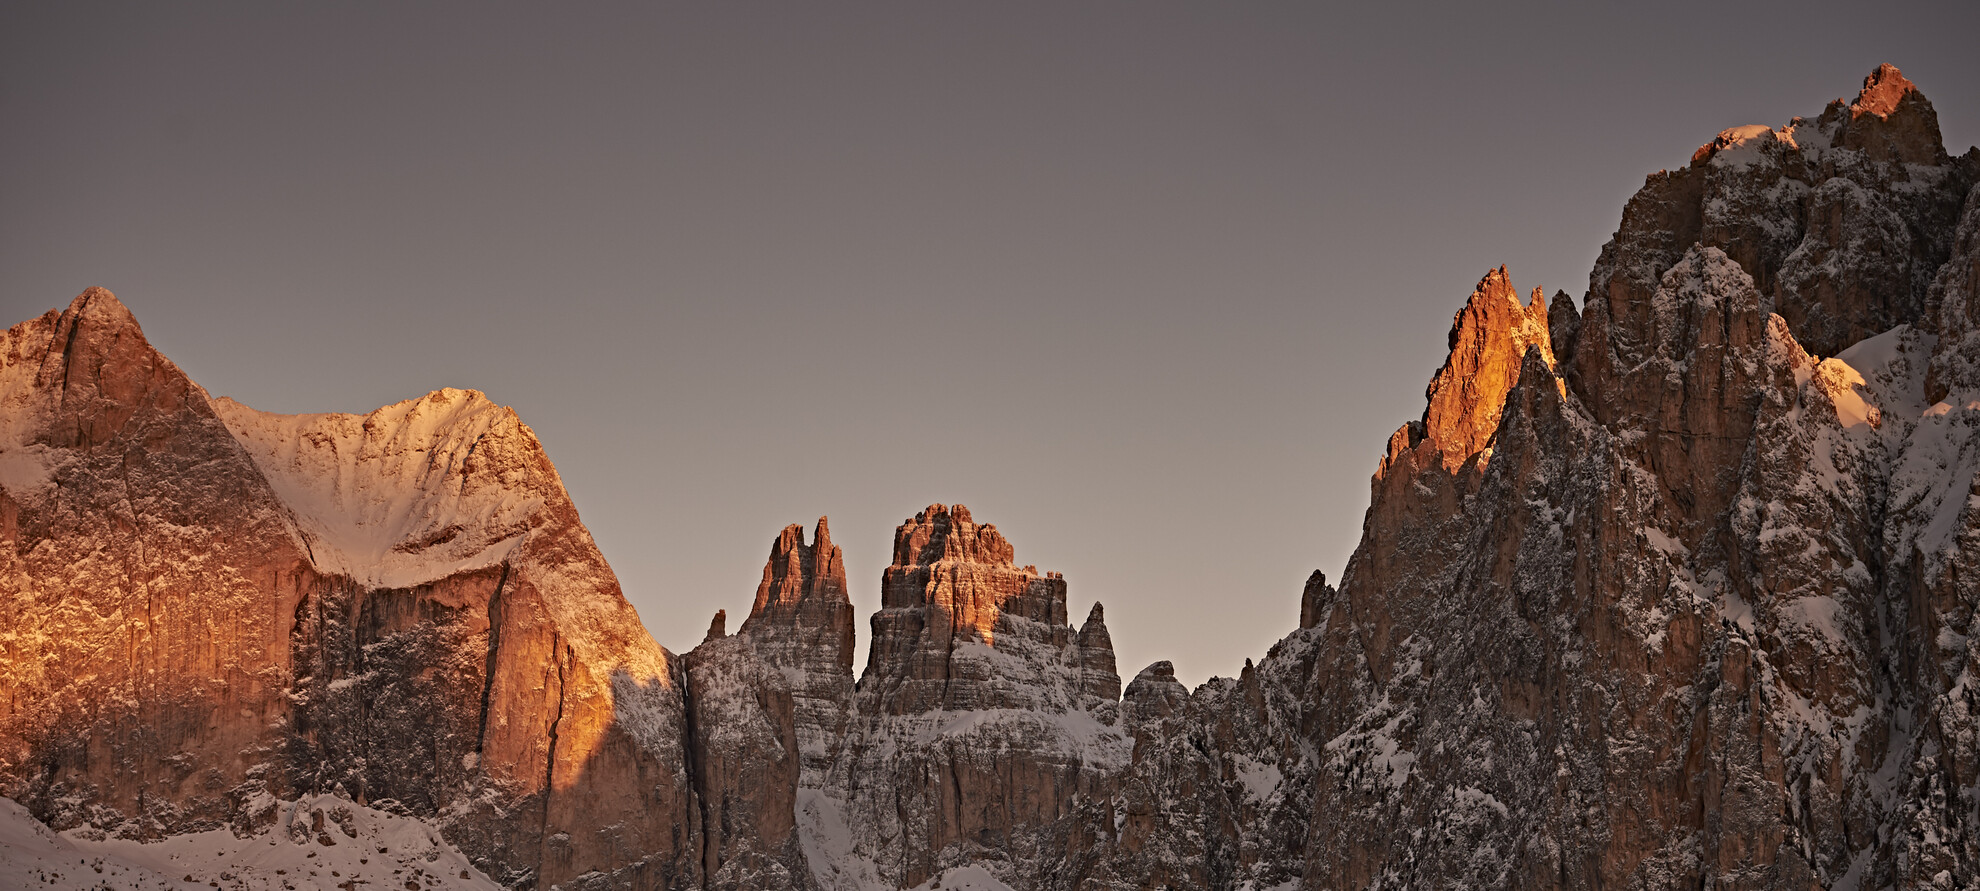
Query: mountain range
[1673, 589]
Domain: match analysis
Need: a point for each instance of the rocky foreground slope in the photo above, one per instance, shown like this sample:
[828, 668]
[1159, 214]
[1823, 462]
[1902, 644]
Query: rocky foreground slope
[1675, 590]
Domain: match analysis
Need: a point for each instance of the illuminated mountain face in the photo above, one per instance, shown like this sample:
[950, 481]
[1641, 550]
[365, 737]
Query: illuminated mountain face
[1672, 590]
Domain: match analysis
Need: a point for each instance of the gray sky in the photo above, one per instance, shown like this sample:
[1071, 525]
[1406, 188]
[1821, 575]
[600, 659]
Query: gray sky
[1147, 286]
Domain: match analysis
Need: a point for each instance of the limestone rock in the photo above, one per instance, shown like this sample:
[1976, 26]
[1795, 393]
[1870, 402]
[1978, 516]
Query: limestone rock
[1676, 590]
[743, 748]
[802, 624]
[1314, 600]
[1666, 632]
[1099, 680]
[983, 722]
[207, 606]
[1489, 337]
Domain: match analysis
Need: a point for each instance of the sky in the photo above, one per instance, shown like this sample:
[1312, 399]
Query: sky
[1146, 285]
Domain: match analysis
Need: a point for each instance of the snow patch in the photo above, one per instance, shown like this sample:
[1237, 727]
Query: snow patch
[1259, 778]
[964, 878]
[1738, 147]
[828, 846]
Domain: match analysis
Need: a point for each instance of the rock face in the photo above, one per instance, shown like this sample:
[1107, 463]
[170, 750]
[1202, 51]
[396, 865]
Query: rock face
[1489, 338]
[1712, 623]
[208, 608]
[983, 722]
[802, 624]
[769, 709]
[1674, 590]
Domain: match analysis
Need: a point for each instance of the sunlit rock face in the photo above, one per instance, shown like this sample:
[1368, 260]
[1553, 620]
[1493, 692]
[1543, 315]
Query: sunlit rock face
[1674, 590]
[1489, 338]
[209, 608]
[148, 582]
[1696, 612]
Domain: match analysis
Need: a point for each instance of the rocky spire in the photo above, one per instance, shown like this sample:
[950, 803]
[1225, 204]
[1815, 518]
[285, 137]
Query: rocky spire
[1313, 601]
[798, 573]
[1890, 120]
[1099, 678]
[983, 713]
[1489, 336]
[962, 570]
[1883, 89]
[802, 624]
[1563, 322]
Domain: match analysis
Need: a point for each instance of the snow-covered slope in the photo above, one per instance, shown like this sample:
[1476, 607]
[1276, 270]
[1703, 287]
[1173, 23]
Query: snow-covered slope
[319, 842]
[390, 498]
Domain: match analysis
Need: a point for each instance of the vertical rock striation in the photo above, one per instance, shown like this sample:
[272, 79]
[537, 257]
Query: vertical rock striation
[983, 721]
[802, 624]
[208, 608]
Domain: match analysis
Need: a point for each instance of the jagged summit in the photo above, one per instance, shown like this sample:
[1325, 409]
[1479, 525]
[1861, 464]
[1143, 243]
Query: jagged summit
[1489, 337]
[102, 307]
[801, 624]
[1882, 90]
[942, 534]
[1684, 612]
[1890, 120]
[797, 571]
[1676, 590]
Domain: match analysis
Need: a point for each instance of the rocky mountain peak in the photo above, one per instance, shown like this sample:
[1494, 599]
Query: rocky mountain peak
[1882, 90]
[1314, 599]
[802, 626]
[1489, 337]
[1099, 677]
[797, 571]
[1890, 120]
[103, 372]
[945, 560]
[943, 534]
[396, 605]
[101, 307]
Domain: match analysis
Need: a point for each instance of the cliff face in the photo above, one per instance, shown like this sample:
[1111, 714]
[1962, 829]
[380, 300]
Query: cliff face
[977, 730]
[1674, 590]
[208, 608]
[1692, 614]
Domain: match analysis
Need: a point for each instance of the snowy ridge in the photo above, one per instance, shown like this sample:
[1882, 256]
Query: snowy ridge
[396, 497]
